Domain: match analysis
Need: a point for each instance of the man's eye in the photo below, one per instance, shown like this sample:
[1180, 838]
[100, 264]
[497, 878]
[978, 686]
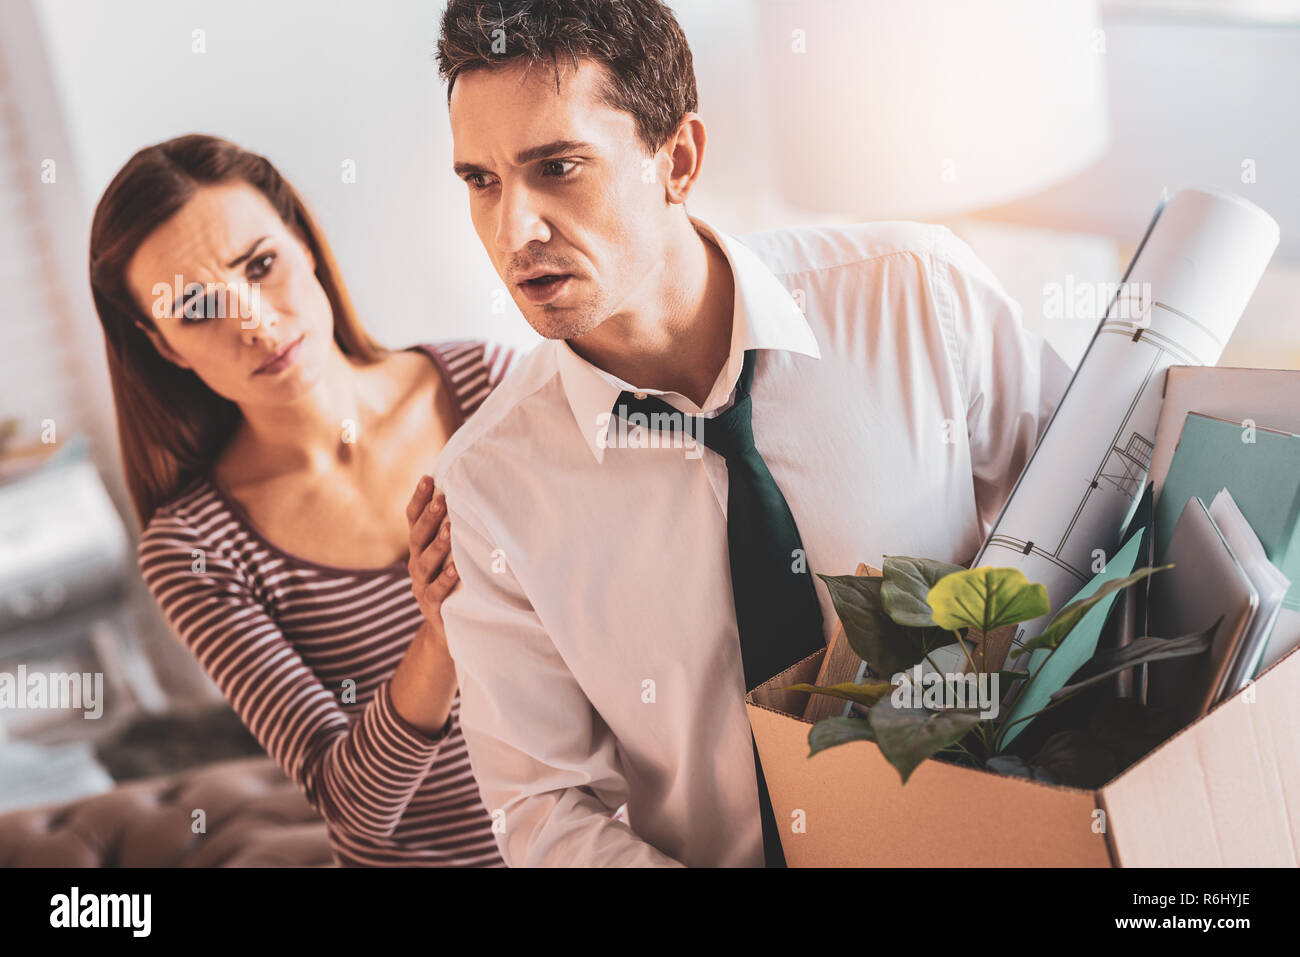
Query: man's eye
[555, 168]
[475, 181]
[259, 266]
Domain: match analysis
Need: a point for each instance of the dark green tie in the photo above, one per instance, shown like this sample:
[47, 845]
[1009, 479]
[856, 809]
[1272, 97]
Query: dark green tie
[777, 612]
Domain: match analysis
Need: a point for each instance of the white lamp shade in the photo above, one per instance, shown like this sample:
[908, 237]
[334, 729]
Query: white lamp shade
[910, 109]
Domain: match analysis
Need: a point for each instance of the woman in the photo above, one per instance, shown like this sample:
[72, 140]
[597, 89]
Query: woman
[270, 447]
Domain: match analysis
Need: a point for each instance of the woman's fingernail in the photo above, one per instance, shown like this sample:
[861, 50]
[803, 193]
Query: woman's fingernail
[451, 571]
[446, 532]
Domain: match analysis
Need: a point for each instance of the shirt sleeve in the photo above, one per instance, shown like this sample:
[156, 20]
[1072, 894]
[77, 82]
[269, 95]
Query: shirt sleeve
[359, 775]
[541, 753]
[1011, 377]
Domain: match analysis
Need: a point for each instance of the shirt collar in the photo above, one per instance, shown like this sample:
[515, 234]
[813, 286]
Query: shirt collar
[766, 317]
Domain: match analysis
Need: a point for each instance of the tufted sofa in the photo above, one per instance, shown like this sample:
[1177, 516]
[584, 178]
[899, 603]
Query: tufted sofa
[254, 816]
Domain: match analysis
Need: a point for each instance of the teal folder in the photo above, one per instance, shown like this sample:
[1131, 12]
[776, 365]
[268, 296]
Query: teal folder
[1260, 467]
[1052, 669]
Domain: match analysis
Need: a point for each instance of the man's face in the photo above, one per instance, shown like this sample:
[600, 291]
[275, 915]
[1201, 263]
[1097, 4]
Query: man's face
[560, 185]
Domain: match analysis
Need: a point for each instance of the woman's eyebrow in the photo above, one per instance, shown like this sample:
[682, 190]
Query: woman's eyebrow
[252, 248]
[192, 290]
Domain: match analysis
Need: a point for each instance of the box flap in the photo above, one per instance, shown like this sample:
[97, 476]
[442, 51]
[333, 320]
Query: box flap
[769, 693]
[1225, 791]
[856, 812]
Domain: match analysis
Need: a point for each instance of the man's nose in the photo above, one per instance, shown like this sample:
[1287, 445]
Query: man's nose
[519, 222]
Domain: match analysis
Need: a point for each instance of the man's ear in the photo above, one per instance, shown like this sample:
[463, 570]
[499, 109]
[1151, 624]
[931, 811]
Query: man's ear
[686, 155]
[160, 344]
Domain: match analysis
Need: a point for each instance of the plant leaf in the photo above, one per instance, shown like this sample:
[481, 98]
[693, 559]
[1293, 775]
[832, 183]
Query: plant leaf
[828, 732]
[868, 693]
[986, 598]
[1112, 661]
[1063, 621]
[907, 736]
[907, 582]
[888, 647]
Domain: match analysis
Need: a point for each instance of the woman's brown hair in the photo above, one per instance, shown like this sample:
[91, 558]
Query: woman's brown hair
[170, 425]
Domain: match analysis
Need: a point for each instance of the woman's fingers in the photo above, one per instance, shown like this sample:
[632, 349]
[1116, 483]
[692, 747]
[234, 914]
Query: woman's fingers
[433, 574]
[442, 585]
[425, 525]
[419, 499]
[427, 564]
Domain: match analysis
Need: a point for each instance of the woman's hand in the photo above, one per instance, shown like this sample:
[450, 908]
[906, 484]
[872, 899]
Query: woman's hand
[433, 573]
[424, 684]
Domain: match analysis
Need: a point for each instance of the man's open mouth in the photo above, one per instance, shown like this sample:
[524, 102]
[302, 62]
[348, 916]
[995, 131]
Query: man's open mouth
[543, 281]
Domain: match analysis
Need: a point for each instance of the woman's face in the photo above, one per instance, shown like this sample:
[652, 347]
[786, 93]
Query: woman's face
[230, 288]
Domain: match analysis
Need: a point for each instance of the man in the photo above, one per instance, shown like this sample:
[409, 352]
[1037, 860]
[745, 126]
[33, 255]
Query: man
[618, 590]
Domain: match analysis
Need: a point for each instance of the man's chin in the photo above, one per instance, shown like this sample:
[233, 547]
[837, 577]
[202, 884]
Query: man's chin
[560, 323]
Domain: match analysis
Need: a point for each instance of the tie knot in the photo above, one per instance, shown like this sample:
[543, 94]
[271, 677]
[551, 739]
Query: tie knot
[731, 433]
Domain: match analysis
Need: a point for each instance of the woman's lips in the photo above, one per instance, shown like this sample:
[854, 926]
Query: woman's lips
[281, 360]
[541, 293]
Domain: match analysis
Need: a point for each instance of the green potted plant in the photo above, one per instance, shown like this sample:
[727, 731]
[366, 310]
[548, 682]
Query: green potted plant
[897, 620]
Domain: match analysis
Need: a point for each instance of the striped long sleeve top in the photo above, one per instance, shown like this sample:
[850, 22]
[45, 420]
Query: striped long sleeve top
[305, 652]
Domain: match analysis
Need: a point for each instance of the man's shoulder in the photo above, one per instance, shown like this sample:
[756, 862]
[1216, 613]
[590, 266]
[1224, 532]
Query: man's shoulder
[814, 248]
[529, 373]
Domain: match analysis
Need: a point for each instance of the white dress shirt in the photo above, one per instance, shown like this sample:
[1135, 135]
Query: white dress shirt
[896, 397]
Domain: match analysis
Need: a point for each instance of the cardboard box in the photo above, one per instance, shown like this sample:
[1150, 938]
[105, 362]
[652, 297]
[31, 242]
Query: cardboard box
[1223, 791]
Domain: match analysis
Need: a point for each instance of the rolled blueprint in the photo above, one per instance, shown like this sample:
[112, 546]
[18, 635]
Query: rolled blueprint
[1179, 302]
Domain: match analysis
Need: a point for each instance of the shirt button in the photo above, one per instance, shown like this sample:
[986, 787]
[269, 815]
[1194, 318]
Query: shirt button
[639, 395]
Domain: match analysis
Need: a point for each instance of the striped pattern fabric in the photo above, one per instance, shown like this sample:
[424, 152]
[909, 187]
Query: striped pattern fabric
[304, 653]
[472, 369]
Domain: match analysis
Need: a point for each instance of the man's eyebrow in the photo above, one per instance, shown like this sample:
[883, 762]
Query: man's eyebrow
[193, 289]
[532, 153]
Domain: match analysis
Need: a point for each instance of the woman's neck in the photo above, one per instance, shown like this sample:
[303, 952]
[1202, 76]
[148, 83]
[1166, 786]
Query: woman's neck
[317, 432]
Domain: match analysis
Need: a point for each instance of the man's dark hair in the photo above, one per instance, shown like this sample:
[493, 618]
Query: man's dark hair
[652, 75]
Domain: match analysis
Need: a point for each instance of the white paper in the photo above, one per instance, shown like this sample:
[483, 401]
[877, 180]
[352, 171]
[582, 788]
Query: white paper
[1270, 583]
[1184, 292]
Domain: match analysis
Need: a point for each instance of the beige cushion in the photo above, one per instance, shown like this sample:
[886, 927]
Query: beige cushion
[255, 817]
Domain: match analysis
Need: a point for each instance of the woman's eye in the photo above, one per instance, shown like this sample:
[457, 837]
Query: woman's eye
[201, 309]
[259, 266]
